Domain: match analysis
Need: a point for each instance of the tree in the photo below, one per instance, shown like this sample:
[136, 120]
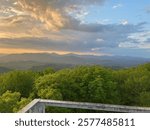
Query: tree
[48, 70]
[144, 99]
[21, 103]
[83, 83]
[8, 101]
[50, 93]
[131, 83]
[17, 81]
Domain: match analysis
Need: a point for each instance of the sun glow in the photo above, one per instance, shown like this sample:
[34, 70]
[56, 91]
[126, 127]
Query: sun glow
[20, 51]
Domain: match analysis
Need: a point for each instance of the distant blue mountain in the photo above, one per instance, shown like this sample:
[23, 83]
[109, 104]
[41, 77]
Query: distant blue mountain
[28, 60]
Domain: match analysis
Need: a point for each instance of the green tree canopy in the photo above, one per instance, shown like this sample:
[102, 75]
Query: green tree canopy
[8, 101]
[17, 81]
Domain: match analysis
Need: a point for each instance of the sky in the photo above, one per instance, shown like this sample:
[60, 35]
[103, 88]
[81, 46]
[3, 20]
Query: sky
[85, 27]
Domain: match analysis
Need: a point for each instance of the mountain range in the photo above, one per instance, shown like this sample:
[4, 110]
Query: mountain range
[33, 60]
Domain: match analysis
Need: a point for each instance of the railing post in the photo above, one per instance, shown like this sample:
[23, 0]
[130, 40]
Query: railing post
[37, 108]
[41, 108]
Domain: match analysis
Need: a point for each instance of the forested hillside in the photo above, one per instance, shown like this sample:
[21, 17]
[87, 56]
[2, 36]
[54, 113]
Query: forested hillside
[37, 61]
[83, 83]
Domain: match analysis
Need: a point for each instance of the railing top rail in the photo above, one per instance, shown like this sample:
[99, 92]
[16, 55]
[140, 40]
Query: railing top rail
[85, 105]
[29, 106]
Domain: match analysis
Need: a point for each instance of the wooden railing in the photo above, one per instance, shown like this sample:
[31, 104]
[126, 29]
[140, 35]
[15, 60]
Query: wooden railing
[38, 106]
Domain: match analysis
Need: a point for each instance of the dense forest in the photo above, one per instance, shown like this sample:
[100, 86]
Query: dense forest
[96, 84]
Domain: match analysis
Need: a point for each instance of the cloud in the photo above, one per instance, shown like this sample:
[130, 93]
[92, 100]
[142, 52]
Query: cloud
[64, 3]
[40, 10]
[30, 18]
[140, 40]
[124, 22]
[104, 21]
[19, 26]
[140, 36]
[127, 44]
[99, 40]
[96, 49]
[58, 25]
[102, 36]
[28, 30]
[78, 12]
[134, 52]
[55, 14]
[117, 6]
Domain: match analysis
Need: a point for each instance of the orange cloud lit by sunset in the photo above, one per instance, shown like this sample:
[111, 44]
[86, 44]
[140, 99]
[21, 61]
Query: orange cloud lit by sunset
[20, 51]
